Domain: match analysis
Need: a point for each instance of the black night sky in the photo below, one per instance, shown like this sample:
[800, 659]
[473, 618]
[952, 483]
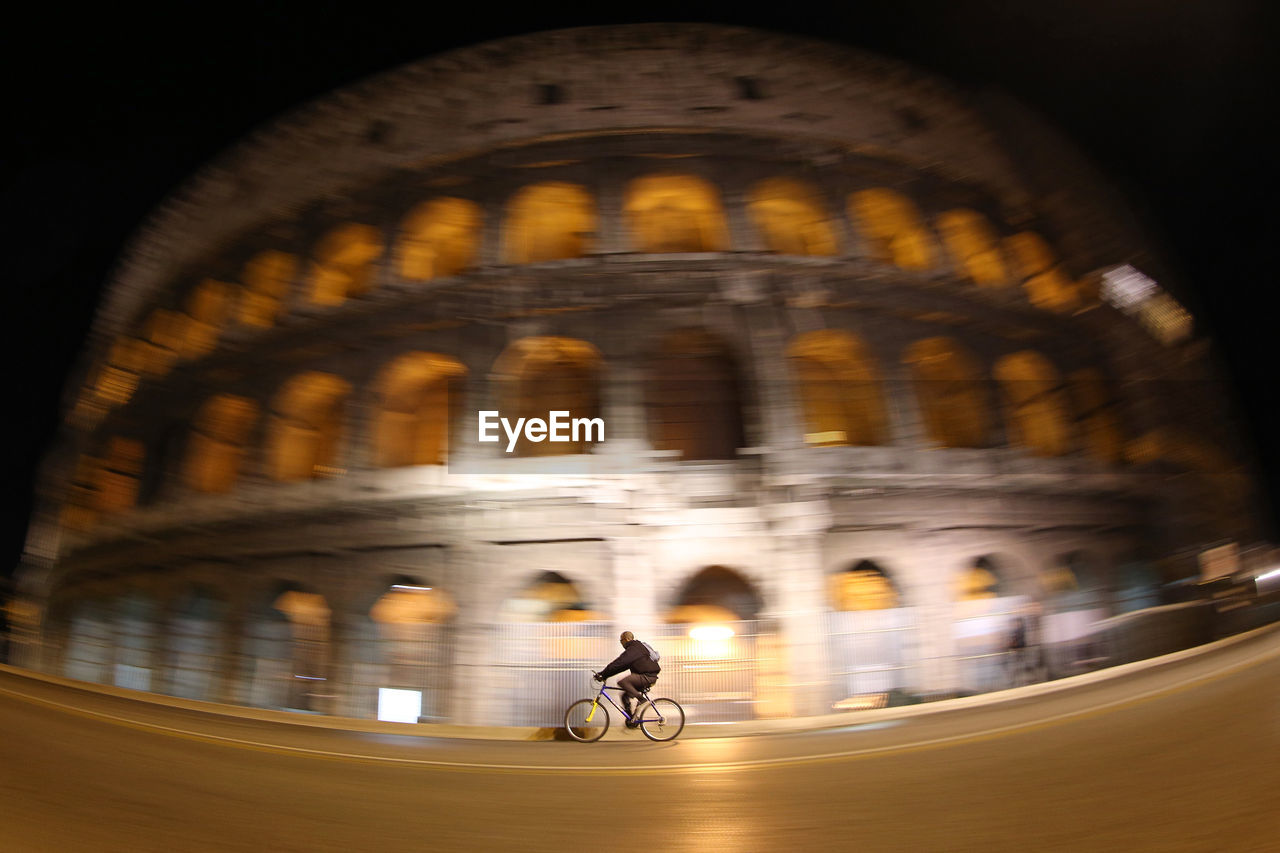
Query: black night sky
[110, 109]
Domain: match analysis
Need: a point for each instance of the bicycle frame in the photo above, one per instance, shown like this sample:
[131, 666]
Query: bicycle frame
[604, 691]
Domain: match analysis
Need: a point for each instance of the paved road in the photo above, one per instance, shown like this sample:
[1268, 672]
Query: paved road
[1182, 757]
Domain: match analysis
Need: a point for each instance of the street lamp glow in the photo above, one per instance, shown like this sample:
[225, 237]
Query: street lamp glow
[711, 632]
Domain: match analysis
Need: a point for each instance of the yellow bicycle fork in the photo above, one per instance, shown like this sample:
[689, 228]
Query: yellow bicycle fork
[594, 704]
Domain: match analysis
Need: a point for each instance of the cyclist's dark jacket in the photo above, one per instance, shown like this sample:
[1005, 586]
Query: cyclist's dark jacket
[634, 657]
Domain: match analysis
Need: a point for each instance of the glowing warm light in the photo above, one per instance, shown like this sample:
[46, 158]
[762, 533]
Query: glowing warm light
[711, 632]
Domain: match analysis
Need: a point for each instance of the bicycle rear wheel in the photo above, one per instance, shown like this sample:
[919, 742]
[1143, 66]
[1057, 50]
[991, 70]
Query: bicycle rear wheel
[662, 720]
[579, 727]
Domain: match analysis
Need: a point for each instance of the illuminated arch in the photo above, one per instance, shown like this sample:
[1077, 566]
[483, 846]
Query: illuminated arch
[791, 217]
[79, 508]
[550, 597]
[217, 442]
[1095, 410]
[118, 379]
[974, 247]
[1043, 278]
[675, 213]
[1035, 403]
[267, 278]
[715, 594]
[949, 389]
[538, 375]
[416, 393]
[981, 579]
[288, 636]
[342, 265]
[863, 586]
[695, 397]
[893, 228]
[839, 389]
[548, 221]
[208, 309]
[306, 426]
[162, 333]
[439, 238]
[120, 475]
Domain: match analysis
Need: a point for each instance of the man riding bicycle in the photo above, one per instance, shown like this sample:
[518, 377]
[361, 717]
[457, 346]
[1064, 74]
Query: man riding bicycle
[644, 672]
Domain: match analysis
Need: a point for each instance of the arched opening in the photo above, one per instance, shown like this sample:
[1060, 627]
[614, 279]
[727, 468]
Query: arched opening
[675, 213]
[892, 225]
[989, 608]
[550, 637]
[208, 309]
[163, 333]
[267, 278]
[950, 393]
[88, 651]
[540, 375]
[791, 217]
[419, 395]
[1096, 415]
[839, 389]
[343, 263]
[974, 247]
[1043, 278]
[287, 638]
[1035, 404]
[1075, 595]
[217, 443]
[439, 238]
[306, 427]
[695, 397]
[79, 511]
[135, 640]
[402, 652]
[196, 663]
[119, 475]
[871, 636]
[718, 655]
[547, 222]
[118, 379]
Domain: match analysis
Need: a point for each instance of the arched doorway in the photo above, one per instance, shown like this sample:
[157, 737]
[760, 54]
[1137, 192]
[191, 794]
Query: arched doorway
[550, 639]
[1075, 601]
[135, 618]
[719, 656]
[87, 651]
[287, 641]
[401, 653]
[871, 635]
[196, 661]
[990, 602]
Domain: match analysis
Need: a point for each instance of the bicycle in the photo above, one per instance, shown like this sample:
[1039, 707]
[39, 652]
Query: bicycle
[587, 720]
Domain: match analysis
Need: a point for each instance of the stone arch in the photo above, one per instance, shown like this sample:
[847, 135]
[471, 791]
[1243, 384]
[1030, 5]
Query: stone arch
[992, 598]
[120, 475]
[1036, 403]
[974, 247]
[839, 389]
[306, 426]
[162, 332]
[1096, 414]
[342, 264]
[669, 212]
[439, 238]
[196, 662]
[893, 227]
[209, 307]
[949, 389]
[216, 447]
[695, 396]
[538, 375]
[864, 585]
[550, 597]
[135, 613]
[266, 278]
[1044, 279]
[791, 218]
[548, 221]
[419, 399]
[287, 640]
[715, 593]
[90, 638]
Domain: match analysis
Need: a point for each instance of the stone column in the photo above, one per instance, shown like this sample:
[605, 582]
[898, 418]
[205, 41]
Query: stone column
[800, 593]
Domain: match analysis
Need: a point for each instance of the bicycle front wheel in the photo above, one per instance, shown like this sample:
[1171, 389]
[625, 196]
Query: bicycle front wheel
[586, 720]
[662, 720]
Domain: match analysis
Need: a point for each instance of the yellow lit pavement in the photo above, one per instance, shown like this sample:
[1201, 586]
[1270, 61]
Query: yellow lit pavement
[1184, 756]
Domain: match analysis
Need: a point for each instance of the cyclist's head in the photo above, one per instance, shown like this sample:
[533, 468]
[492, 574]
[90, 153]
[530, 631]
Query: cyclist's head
[626, 637]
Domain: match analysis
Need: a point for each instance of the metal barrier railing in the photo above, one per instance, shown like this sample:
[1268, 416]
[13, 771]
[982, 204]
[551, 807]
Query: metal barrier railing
[545, 666]
[721, 673]
[872, 652]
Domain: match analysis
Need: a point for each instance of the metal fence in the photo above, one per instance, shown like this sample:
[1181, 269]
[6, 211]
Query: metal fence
[544, 666]
[872, 652]
[405, 656]
[722, 673]
[981, 629]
